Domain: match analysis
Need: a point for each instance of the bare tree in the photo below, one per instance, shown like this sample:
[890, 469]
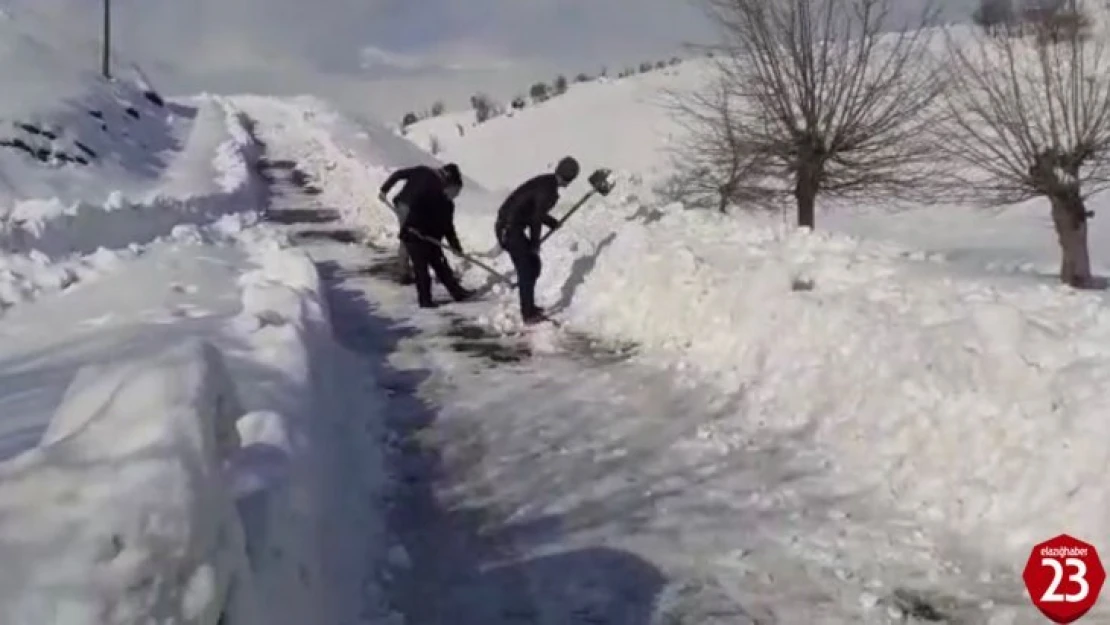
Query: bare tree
[824, 100]
[709, 165]
[1030, 118]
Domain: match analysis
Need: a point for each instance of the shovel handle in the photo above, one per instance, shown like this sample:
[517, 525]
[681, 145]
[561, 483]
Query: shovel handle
[564, 218]
[466, 257]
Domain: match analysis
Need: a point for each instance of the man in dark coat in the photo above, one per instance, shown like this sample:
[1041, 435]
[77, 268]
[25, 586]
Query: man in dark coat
[419, 182]
[430, 220]
[518, 225]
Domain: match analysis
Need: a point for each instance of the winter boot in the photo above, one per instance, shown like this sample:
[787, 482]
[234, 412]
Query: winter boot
[534, 316]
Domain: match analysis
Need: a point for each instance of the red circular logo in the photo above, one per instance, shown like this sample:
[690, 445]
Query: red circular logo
[1064, 577]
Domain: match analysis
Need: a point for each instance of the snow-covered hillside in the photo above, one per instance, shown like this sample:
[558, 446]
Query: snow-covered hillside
[618, 123]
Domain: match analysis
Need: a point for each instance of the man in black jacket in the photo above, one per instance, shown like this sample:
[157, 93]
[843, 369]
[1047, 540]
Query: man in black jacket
[518, 229]
[420, 181]
[430, 220]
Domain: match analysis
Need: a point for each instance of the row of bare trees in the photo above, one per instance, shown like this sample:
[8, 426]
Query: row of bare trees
[824, 99]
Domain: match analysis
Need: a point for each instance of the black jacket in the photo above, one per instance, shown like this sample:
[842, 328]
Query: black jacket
[527, 208]
[420, 181]
[433, 217]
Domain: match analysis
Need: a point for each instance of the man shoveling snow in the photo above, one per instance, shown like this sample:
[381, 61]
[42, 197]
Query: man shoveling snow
[420, 182]
[527, 209]
[430, 220]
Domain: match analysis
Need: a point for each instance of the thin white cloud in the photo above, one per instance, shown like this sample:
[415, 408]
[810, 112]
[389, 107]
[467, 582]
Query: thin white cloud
[456, 58]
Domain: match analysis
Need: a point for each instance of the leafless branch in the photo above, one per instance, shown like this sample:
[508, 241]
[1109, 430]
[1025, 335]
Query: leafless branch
[822, 99]
[1016, 103]
[1030, 117]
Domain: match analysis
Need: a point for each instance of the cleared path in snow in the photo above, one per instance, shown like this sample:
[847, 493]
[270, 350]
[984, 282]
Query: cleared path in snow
[569, 488]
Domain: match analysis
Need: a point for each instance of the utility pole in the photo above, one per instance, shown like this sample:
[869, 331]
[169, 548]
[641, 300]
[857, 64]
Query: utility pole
[105, 52]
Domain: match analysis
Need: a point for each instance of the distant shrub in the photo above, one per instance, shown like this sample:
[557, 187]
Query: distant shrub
[485, 108]
[646, 66]
[409, 119]
[660, 64]
[559, 87]
[438, 108]
[538, 92]
[675, 60]
[519, 102]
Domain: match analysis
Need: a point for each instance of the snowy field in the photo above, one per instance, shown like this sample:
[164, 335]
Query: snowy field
[206, 417]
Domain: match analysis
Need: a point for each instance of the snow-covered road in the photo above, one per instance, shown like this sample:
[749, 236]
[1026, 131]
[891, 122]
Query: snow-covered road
[575, 487]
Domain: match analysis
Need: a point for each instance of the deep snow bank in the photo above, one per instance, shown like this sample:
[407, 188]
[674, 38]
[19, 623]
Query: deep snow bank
[123, 514]
[226, 478]
[975, 403]
[310, 476]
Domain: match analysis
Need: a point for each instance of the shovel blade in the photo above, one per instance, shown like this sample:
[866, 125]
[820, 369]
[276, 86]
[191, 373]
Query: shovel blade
[601, 181]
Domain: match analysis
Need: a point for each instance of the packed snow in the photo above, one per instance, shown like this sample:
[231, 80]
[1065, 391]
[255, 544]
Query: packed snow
[206, 419]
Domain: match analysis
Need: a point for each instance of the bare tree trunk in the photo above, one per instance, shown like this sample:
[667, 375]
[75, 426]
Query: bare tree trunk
[805, 193]
[1069, 214]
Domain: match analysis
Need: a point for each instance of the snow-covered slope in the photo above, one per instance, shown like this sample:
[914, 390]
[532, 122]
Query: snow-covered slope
[87, 163]
[620, 123]
[970, 398]
[66, 130]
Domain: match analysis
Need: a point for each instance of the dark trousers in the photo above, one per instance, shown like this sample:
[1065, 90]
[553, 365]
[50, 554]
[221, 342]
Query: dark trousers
[426, 255]
[528, 266]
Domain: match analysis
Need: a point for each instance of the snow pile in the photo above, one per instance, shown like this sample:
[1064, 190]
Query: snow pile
[122, 514]
[974, 404]
[219, 478]
[309, 477]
